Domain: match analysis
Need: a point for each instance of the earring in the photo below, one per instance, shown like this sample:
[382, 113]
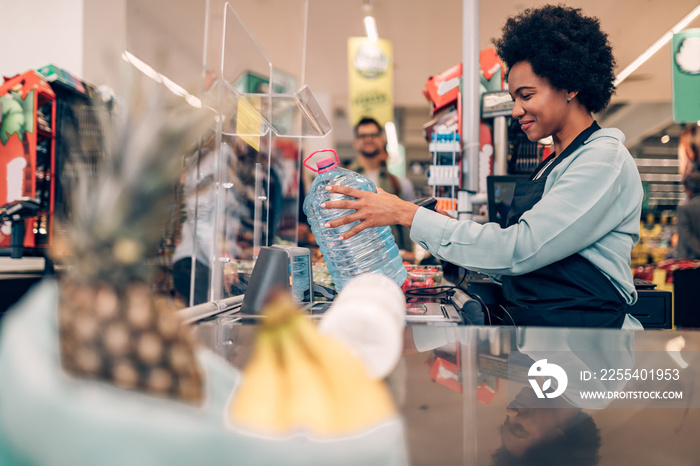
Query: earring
[568, 99]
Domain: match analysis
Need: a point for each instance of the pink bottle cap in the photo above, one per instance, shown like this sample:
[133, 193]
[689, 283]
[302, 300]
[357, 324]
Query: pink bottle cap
[325, 164]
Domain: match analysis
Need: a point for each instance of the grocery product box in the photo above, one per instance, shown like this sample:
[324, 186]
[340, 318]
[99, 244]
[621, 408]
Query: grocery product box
[443, 89]
[422, 276]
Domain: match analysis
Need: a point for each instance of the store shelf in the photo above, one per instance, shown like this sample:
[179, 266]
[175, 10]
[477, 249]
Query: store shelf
[443, 175]
[34, 141]
[44, 133]
[658, 168]
[445, 146]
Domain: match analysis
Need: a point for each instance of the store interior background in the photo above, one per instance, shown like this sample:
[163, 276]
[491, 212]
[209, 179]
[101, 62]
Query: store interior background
[181, 39]
[86, 37]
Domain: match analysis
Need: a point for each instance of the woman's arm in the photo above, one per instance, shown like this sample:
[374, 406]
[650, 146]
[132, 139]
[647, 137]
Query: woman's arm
[371, 209]
[595, 196]
[592, 204]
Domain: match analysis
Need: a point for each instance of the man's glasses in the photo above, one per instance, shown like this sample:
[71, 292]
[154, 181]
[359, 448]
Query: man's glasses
[367, 135]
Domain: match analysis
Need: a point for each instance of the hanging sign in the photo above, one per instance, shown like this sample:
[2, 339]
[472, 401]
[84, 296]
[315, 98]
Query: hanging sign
[685, 58]
[371, 79]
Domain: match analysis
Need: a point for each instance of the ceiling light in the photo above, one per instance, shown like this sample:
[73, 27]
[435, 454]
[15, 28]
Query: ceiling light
[674, 347]
[392, 140]
[370, 23]
[141, 66]
[656, 46]
[371, 28]
[156, 76]
[665, 138]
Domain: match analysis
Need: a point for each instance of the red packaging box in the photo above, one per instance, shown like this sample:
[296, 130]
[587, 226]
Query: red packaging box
[443, 89]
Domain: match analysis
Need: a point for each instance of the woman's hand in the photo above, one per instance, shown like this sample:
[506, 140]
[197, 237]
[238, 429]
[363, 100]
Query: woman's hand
[371, 209]
[443, 212]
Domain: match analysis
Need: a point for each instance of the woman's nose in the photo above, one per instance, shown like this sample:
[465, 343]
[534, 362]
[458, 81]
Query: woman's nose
[513, 412]
[518, 110]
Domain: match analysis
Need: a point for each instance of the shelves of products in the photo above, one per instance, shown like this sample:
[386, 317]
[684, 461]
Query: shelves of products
[27, 162]
[444, 174]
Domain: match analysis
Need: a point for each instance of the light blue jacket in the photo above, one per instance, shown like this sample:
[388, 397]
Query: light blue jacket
[591, 205]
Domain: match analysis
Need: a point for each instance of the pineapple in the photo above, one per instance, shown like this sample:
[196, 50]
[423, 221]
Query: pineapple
[112, 327]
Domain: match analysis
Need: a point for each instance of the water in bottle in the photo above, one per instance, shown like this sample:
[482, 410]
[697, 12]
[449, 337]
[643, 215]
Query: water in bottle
[373, 250]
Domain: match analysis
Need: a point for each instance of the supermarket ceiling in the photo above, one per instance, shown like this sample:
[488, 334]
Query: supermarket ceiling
[426, 37]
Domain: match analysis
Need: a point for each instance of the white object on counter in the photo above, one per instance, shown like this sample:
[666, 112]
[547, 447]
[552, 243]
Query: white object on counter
[368, 316]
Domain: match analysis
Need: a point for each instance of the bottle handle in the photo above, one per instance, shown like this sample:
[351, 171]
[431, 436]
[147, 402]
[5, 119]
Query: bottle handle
[318, 152]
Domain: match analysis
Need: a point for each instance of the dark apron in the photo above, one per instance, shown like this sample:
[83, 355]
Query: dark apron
[569, 293]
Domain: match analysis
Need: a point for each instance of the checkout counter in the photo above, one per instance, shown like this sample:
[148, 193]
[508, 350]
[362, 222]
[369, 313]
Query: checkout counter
[653, 308]
[454, 387]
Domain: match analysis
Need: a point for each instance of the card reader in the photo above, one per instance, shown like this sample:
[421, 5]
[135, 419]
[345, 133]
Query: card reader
[279, 267]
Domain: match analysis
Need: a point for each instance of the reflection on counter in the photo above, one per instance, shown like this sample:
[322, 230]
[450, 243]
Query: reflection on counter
[489, 371]
[465, 395]
[628, 370]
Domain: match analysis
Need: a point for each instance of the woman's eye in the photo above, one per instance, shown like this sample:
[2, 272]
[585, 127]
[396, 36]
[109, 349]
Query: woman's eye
[527, 96]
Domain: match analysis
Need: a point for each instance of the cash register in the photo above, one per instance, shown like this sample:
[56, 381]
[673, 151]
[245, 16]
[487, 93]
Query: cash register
[289, 268]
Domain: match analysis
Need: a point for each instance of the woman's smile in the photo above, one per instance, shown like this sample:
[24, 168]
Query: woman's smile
[525, 125]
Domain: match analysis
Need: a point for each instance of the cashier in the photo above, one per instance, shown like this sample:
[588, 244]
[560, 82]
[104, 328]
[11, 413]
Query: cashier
[564, 256]
[557, 434]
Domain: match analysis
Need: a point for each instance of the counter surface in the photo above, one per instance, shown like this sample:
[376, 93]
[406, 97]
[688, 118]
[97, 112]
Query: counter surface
[464, 395]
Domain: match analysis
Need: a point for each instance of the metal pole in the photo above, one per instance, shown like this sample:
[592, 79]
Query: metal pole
[201, 311]
[469, 369]
[470, 98]
[471, 117]
[500, 146]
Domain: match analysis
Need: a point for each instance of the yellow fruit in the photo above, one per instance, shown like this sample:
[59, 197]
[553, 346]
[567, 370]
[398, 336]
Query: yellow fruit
[311, 402]
[260, 402]
[299, 379]
[360, 400]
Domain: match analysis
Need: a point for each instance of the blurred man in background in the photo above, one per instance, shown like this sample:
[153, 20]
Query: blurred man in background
[372, 156]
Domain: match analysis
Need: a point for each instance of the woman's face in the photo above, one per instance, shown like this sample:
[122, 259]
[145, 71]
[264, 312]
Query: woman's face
[540, 109]
[525, 427]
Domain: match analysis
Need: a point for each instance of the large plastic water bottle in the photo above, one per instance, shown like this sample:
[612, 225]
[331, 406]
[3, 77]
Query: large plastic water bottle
[373, 250]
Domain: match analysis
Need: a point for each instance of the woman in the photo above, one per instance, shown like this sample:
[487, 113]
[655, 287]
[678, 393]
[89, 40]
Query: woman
[564, 256]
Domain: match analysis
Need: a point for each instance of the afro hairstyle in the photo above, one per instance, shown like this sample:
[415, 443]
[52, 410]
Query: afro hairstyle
[566, 48]
[578, 446]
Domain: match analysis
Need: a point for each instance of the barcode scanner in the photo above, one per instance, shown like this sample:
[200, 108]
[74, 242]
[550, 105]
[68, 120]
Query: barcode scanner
[427, 202]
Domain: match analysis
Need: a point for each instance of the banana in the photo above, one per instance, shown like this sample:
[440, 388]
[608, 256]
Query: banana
[311, 402]
[260, 401]
[299, 379]
[360, 400]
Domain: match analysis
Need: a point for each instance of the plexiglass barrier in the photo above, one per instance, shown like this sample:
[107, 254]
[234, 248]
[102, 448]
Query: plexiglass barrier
[253, 157]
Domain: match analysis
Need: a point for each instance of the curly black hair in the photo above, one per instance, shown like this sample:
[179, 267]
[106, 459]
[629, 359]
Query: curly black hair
[579, 446]
[565, 47]
[366, 120]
